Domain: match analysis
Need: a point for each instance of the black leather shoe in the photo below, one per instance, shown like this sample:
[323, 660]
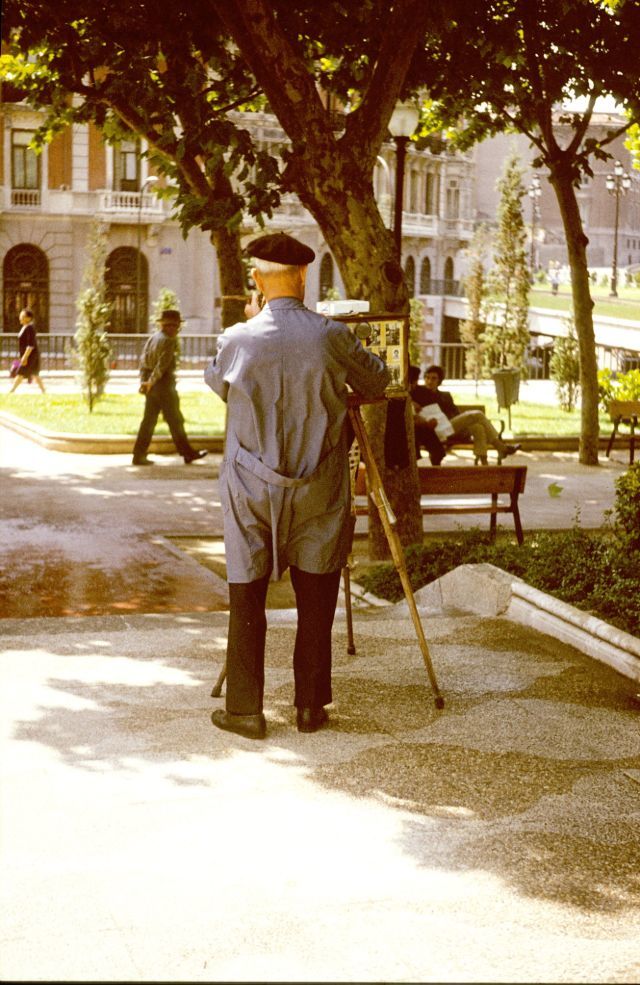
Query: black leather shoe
[311, 719]
[250, 726]
[141, 461]
[188, 459]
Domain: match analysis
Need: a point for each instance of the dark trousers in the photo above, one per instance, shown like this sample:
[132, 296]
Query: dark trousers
[316, 598]
[162, 398]
[427, 438]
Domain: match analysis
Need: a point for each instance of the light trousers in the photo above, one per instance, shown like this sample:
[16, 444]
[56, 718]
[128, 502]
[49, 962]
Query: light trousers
[481, 430]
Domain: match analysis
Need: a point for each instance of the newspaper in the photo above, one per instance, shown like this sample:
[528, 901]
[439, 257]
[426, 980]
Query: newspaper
[444, 427]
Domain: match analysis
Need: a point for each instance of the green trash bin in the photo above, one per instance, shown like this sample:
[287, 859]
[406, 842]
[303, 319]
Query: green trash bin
[507, 384]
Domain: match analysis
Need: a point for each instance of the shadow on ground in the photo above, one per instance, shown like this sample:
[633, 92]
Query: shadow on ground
[552, 811]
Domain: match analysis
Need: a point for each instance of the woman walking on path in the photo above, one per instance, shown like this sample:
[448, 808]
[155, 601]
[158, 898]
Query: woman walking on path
[29, 368]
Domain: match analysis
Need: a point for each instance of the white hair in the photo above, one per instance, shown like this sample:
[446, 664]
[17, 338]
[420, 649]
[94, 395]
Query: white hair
[270, 267]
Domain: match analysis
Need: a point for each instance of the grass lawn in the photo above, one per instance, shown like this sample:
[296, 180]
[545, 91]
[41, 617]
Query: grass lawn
[626, 306]
[113, 414]
[532, 419]
[204, 414]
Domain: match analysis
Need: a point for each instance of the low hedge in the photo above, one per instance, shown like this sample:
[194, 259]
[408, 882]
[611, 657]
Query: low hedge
[597, 571]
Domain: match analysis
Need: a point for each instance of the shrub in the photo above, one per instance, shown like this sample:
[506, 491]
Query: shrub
[564, 367]
[627, 509]
[593, 570]
[618, 386]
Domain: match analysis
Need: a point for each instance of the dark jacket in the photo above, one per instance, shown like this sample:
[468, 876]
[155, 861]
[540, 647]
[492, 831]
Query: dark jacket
[423, 396]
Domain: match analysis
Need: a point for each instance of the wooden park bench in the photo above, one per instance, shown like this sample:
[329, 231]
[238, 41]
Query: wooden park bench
[461, 489]
[624, 412]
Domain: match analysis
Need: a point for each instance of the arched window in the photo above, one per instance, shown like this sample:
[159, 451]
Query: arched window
[127, 279]
[410, 275]
[425, 276]
[326, 275]
[448, 275]
[26, 285]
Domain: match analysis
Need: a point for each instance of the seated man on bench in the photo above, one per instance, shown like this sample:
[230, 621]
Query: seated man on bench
[474, 422]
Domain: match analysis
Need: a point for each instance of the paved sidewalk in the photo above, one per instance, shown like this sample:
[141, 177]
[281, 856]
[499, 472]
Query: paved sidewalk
[496, 840]
[493, 841]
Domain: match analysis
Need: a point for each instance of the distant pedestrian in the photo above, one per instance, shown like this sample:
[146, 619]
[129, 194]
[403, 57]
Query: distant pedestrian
[158, 383]
[555, 280]
[29, 368]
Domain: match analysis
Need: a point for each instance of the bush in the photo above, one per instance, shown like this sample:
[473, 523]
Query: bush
[627, 509]
[564, 367]
[593, 570]
[618, 386]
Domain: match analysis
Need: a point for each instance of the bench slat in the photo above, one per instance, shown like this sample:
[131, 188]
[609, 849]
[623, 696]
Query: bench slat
[439, 479]
[456, 481]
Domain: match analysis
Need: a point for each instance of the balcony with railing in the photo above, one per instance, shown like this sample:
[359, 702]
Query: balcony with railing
[127, 206]
[27, 199]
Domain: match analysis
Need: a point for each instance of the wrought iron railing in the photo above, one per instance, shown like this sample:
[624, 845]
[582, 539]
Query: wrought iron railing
[57, 353]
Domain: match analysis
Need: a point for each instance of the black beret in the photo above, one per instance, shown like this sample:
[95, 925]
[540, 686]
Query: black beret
[280, 248]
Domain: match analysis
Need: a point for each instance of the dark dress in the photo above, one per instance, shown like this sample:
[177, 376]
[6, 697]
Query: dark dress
[28, 339]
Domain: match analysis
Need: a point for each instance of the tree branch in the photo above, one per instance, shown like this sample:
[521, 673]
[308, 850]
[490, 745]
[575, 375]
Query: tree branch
[279, 71]
[583, 126]
[367, 125]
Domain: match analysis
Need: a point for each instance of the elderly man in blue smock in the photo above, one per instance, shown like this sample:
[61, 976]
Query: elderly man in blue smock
[284, 483]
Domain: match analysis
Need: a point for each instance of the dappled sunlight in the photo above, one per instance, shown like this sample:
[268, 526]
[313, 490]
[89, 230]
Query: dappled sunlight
[387, 779]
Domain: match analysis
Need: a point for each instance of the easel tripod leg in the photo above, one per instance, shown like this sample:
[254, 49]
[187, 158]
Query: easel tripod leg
[217, 687]
[346, 578]
[389, 521]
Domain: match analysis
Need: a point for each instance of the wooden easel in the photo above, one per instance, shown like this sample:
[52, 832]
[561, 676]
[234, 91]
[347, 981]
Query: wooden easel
[389, 523]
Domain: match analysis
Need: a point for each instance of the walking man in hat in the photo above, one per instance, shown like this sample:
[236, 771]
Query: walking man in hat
[284, 483]
[158, 384]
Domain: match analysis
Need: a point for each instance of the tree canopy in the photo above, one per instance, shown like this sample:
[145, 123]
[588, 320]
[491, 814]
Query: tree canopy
[191, 68]
[491, 66]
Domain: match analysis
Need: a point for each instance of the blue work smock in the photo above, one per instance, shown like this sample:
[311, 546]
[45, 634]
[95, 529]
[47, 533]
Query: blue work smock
[284, 481]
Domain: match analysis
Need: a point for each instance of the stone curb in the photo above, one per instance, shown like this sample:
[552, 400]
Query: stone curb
[99, 444]
[485, 590]
[121, 444]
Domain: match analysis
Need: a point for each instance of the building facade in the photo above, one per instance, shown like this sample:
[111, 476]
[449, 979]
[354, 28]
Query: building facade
[48, 202]
[597, 205]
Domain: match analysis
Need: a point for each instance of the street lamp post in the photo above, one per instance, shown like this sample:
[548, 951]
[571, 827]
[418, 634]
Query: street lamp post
[147, 182]
[618, 183]
[403, 122]
[535, 192]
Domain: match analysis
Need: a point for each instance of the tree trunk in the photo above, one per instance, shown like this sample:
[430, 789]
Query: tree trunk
[365, 253]
[561, 179]
[232, 274]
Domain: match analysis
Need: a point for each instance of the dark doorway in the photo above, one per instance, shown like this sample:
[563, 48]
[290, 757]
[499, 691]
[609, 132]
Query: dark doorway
[124, 281]
[26, 285]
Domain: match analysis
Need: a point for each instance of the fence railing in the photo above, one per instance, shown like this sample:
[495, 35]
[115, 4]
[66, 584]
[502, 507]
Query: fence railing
[441, 287]
[452, 357]
[57, 353]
